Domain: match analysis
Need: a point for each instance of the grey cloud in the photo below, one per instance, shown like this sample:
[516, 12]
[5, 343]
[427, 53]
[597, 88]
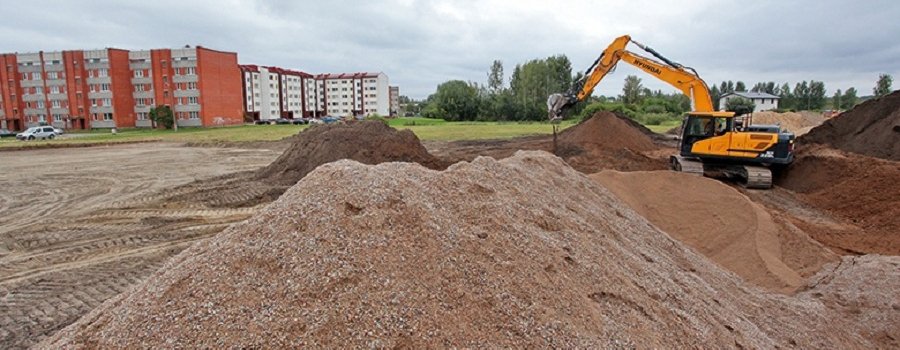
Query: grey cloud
[420, 44]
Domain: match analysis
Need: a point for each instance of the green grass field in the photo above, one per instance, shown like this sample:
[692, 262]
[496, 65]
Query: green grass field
[425, 129]
[665, 126]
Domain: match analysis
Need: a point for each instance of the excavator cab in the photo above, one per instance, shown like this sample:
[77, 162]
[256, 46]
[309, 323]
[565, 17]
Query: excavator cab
[702, 126]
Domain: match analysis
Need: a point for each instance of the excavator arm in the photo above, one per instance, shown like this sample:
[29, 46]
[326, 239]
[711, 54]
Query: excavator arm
[683, 78]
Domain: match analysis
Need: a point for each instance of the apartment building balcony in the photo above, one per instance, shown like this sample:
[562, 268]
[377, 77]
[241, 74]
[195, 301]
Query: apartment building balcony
[99, 80]
[190, 122]
[142, 109]
[186, 93]
[187, 108]
[141, 80]
[56, 82]
[184, 79]
[139, 65]
[143, 123]
[101, 109]
[59, 110]
[96, 65]
[143, 94]
[58, 96]
[33, 97]
[30, 69]
[31, 83]
[100, 94]
[184, 63]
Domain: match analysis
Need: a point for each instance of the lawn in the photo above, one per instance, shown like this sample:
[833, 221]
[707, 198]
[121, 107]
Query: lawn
[425, 129]
[665, 126]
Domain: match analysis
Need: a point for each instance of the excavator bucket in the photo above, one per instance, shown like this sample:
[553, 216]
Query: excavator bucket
[556, 103]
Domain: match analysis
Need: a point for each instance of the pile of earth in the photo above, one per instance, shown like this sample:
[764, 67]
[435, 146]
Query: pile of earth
[798, 123]
[860, 189]
[524, 252]
[367, 142]
[722, 224]
[610, 141]
[871, 128]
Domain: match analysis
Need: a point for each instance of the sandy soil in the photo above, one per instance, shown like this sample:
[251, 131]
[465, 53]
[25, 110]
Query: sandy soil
[79, 226]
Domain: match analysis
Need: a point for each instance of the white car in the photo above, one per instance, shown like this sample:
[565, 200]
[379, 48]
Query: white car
[37, 132]
[58, 131]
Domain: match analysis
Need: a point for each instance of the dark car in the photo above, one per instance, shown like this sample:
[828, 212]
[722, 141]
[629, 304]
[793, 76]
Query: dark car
[282, 121]
[300, 121]
[6, 133]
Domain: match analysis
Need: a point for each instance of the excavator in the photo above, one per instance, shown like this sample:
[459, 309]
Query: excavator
[711, 142]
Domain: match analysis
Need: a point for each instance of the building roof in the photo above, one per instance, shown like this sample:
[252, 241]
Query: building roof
[751, 95]
[348, 75]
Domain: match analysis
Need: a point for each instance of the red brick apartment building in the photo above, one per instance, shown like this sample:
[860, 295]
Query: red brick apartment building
[83, 89]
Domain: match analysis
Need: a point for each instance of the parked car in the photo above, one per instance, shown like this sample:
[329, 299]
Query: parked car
[37, 132]
[282, 121]
[329, 119]
[6, 133]
[58, 130]
[300, 121]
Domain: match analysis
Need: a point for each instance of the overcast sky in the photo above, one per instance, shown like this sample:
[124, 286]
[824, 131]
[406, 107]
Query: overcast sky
[420, 44]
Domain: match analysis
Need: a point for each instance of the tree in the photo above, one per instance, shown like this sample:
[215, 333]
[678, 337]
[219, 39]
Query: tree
[883, 85]
[836, 100]
[739, 105]
[714, 94]
[162, 115]
[849, 99]
[786, 98]
[740, 87]
[531, 83]
[801, 93]
[455, 100]
[816, 95]
[495, 77]
[631, 91]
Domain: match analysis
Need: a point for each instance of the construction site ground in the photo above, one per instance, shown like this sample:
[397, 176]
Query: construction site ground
[81, 226]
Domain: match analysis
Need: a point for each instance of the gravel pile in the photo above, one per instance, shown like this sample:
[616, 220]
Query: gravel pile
[523, 252]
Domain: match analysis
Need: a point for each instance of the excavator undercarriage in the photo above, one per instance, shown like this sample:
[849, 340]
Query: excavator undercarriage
[749, 176]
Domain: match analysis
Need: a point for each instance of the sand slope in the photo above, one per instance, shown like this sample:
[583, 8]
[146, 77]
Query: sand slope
[718, 221]
[522, 252]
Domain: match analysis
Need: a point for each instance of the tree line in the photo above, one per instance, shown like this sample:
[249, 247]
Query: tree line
[529, 85]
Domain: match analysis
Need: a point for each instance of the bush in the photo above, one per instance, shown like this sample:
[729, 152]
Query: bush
[655, 118]
[608, 107]
[655, 109]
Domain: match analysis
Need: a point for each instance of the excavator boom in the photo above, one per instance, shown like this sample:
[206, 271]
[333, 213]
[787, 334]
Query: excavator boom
[682, 78]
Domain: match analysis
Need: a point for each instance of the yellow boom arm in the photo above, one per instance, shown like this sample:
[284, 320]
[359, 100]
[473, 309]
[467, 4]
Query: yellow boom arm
[683, 78]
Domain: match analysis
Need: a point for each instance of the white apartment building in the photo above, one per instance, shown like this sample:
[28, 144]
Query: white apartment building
[356, 94]
[271, 93]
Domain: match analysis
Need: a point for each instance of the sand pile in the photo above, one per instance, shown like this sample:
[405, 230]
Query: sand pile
[523, 252]
[722, 224]
[368, 142]
[871, 128]
[609, 141]
[863, 190]
[797, 123]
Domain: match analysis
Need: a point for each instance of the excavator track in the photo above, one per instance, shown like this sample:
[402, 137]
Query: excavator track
[681, 164]
[757, 177]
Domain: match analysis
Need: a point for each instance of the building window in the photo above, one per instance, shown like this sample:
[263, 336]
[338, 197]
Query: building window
[194, 115]
[107, 102]
[55, 103]
[57, 117]
[102, 72]
[104, 87]
[107, 116]
[94, 102]
[139, 73]
[142, 116]
[40, 104]
[53, 75]
[191, 70]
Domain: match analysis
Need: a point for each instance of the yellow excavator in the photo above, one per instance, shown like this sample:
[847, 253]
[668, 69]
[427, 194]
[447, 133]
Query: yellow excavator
[711, 142]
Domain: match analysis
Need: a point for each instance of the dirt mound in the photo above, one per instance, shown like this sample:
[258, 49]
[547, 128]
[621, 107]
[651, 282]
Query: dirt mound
[722, 224]
[860, 189]
[396, 255]
[606, 130]
[609, 141]
[368, 142]
[797, 123]
[871, 128]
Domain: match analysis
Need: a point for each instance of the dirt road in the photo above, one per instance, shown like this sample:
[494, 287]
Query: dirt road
[79, 226]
